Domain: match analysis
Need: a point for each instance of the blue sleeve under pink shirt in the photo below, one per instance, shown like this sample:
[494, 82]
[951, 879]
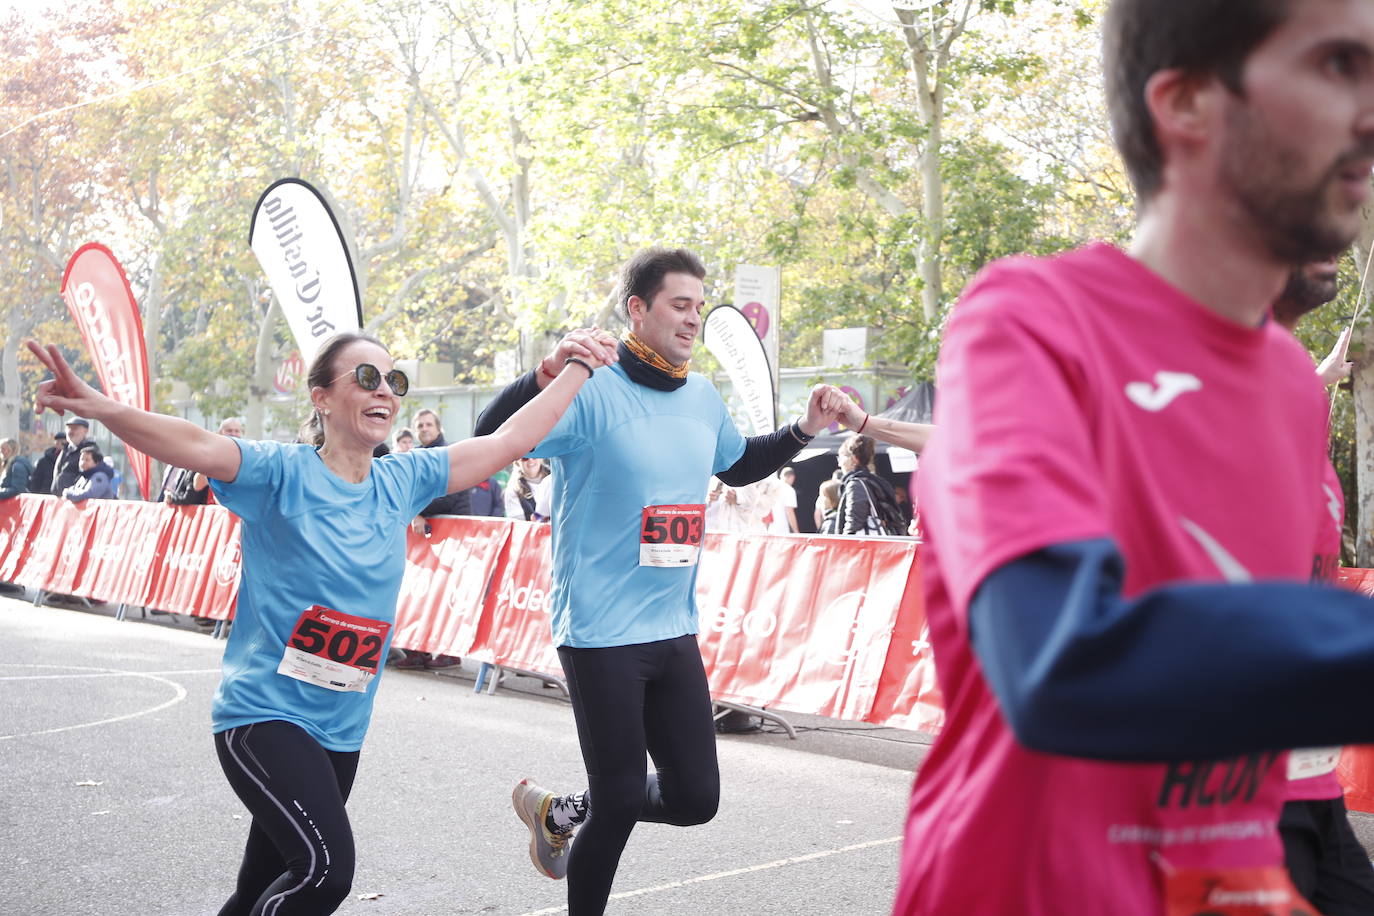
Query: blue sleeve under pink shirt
[1124, 497]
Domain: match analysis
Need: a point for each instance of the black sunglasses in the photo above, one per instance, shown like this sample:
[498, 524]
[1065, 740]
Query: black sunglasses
[370, 377]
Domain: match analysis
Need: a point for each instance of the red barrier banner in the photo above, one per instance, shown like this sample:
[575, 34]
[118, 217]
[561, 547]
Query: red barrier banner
[198, 562]
[57, 546]
[820, 625]
[444, 591]
[909, 692]
[122, 552]
[799, 623]
[1356, 767]
[1360, 580]
[98, 294]
[518, 632]
[20, 517]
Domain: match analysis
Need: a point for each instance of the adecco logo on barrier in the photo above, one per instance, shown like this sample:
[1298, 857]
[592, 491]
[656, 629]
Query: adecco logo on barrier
[112, 554]
[756, 622]
[185, 562]
[72, 550]
[844, 607]
[227, 564]
[524, 597]
[416, 582]
[145, 555]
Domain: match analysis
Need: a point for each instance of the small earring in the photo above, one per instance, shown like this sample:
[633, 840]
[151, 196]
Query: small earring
[326, 411]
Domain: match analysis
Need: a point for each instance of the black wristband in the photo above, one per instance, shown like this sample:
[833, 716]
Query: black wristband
[580, 362]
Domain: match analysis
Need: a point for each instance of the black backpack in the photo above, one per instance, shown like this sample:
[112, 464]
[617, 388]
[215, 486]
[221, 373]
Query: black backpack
[884, 502]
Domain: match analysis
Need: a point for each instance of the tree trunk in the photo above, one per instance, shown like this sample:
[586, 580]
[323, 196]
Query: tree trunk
[264, 371]
[933, 211]
[9, 400]
[152, 318]
[1362, 379]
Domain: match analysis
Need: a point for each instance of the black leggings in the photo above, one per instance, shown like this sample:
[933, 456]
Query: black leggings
[628, 700]
[299, 857]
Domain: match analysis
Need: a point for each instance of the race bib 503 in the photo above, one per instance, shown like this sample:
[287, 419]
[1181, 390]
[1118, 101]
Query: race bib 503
[671, 535]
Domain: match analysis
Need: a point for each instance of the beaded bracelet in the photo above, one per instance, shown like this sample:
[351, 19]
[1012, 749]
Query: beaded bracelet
[574, 359]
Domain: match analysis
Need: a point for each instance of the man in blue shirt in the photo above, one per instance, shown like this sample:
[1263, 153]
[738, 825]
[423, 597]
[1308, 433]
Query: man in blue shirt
[631, 461]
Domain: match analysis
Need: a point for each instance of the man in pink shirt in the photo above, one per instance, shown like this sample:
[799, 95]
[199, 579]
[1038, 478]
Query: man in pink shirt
[1324, 858]
[1119, 503]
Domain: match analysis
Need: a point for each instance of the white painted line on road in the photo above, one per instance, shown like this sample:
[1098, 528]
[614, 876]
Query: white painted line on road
[734, 872]
[180, 694]
[60, 677]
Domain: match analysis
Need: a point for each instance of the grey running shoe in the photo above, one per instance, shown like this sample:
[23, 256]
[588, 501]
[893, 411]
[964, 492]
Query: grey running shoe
[548, 851]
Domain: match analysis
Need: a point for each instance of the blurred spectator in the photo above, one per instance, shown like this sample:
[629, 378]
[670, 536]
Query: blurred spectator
[868, 506]
[115, 479]
[430, 432]
[486, 499]
[40, 481]
[67, 469]
[181, 487]
[15, 469]
[904, 506]
[404, 439]
[784, 503]
[95, 480]
[525, 477]
[736, 509]
[828, 504]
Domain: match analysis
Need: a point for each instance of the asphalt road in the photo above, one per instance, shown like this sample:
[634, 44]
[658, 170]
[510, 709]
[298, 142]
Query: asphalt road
[112, 802]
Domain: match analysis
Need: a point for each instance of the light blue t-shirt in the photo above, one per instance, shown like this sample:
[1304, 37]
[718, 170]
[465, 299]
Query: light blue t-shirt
[309, 537]
[620, 447]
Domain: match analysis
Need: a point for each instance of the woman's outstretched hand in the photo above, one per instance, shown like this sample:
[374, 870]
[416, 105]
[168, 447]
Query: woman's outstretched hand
[65, 391]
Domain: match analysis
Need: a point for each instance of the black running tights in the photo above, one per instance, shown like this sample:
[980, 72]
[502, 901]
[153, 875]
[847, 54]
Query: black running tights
[628, 700]
[299, 857]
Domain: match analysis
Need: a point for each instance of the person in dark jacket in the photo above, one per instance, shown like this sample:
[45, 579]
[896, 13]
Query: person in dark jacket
[40, 481]
[431, 435]
[67, 470]
[860, 489]
[15, 469]
[487, 499]
[96, 480]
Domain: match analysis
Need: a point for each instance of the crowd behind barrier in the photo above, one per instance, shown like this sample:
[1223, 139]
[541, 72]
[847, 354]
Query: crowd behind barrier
[807, 624]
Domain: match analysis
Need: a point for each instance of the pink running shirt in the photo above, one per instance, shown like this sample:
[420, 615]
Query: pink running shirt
[1083, 397]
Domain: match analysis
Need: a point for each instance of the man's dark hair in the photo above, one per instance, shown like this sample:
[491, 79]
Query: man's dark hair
[1202, 38]
[643, 274]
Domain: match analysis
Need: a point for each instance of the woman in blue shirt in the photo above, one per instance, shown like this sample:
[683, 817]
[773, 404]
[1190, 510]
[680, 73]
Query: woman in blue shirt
[323, 543]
